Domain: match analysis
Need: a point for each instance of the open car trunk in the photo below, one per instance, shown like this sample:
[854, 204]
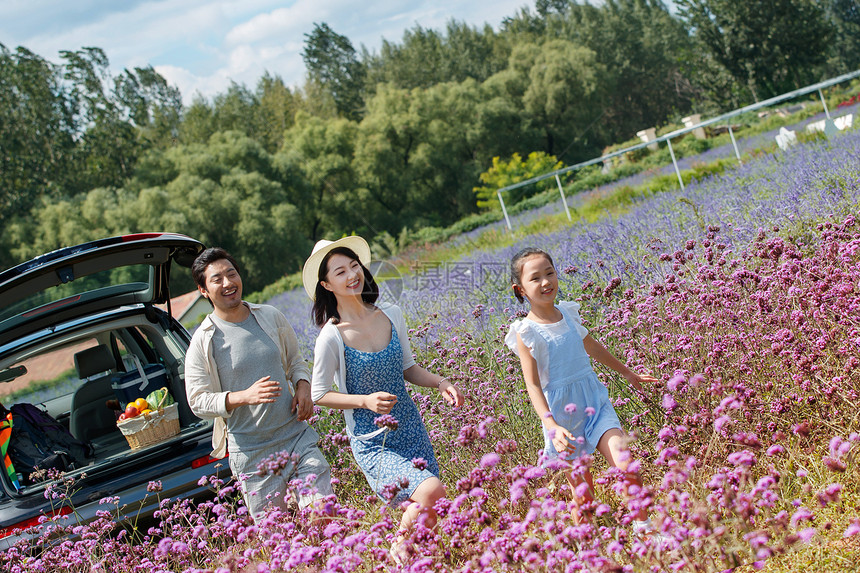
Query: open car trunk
[73, 325]
[88, 405]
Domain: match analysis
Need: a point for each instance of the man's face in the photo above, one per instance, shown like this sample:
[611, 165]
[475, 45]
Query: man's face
[223, 285]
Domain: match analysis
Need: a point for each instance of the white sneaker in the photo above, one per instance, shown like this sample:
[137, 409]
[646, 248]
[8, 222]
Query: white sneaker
[643, 528]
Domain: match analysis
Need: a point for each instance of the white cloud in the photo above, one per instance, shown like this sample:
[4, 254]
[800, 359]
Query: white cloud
[201, 45]
[274, 24]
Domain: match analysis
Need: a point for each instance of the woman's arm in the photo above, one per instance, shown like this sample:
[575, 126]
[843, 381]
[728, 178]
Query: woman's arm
[379, 402]
[601, 354]
[421, 377]
[562, 437]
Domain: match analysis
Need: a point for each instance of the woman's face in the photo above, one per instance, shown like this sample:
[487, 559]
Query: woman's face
[344, 276]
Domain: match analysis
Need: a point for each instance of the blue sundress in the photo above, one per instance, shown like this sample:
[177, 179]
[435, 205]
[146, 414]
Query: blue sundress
[568, 381]
[369, 372]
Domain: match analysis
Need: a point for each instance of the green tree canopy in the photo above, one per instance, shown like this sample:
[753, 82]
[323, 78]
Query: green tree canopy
[565, 96]
[332, 62]
[426, 57]
[37, 130]
[768, 46]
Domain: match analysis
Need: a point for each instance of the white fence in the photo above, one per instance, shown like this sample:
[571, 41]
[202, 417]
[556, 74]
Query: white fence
[678, 132]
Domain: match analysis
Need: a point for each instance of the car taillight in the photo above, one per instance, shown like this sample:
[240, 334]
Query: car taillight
[205, 460]
[140, 236]
[27, 523]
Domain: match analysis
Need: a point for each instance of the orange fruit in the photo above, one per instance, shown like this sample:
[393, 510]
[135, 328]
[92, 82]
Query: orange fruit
[141, 404]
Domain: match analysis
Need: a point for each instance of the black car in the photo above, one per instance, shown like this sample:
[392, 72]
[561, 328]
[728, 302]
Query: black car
[71, 322]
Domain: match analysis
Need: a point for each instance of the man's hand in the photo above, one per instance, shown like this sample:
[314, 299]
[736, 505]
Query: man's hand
[302, 405]
[263, 391]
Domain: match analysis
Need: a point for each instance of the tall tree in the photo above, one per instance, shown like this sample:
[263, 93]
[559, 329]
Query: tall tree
[198, 121]
[318, 152]
[37, 134]
[845, 53]
[641, 46]
[565, 96]
[152, 105]
[426, 57]
[332, 62]
[234, 110]
[108, 147]
[768, 46]
[276, 111]
[117, 119]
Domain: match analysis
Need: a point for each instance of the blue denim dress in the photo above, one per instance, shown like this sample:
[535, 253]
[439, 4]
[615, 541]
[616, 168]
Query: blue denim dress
[568, 381]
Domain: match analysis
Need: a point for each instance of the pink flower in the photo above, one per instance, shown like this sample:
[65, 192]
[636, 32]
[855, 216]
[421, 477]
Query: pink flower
[720, 423]
[669, 402]
[742, 458]
[674, 383]
[386, 421]
[802, 514]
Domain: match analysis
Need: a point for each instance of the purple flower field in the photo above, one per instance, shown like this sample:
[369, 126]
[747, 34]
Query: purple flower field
[741, 294]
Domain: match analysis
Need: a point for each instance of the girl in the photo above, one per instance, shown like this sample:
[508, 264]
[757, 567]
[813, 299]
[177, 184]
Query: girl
[554, 350]
[361, 358]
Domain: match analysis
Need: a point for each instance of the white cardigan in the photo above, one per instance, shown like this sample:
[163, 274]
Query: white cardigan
[330, 364]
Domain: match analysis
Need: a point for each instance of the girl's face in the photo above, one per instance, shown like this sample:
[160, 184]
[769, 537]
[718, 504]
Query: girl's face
[344, 276]
[538, 280]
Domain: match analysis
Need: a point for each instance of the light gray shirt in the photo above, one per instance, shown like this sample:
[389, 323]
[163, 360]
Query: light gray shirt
[243, 354]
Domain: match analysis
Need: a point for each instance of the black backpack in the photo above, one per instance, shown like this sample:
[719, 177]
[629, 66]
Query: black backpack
[39, 442]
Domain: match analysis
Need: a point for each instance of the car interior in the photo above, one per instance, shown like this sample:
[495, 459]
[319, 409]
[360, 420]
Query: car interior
[72, 373]
[89, 416]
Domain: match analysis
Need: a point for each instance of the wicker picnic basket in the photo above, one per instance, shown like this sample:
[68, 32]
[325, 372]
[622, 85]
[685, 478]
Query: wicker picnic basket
[152, 428]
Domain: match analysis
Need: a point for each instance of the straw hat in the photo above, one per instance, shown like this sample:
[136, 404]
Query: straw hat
[311, 270]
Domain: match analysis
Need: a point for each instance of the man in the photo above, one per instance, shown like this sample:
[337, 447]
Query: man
[240, 359]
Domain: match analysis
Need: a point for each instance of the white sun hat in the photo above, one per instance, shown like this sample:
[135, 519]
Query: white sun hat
[310, 272]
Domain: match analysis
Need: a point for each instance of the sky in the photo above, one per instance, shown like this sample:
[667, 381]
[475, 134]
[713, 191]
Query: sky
[200, 46]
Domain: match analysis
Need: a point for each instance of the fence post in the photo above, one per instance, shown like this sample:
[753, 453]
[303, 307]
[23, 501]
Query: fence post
[563, 199]
[505, 211]
[824, 103]
[735, 144]
[675, 163]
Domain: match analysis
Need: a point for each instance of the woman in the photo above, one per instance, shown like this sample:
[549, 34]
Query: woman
[361, 358]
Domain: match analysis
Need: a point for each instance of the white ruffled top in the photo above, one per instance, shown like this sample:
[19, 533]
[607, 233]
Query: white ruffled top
[536, 343]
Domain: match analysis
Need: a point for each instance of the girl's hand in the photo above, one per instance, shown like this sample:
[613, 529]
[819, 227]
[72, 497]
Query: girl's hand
[451, 393]
[562, 439]
[380, 402]
[636, 380]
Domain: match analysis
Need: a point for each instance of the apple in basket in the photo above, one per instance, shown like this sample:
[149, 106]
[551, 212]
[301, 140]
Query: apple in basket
[131, 411]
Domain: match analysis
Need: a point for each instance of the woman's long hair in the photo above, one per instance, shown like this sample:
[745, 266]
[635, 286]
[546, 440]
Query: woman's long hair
[325, 303]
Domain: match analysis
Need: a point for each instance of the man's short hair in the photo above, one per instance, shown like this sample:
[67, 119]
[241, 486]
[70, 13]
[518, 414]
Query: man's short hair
[206, 258]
